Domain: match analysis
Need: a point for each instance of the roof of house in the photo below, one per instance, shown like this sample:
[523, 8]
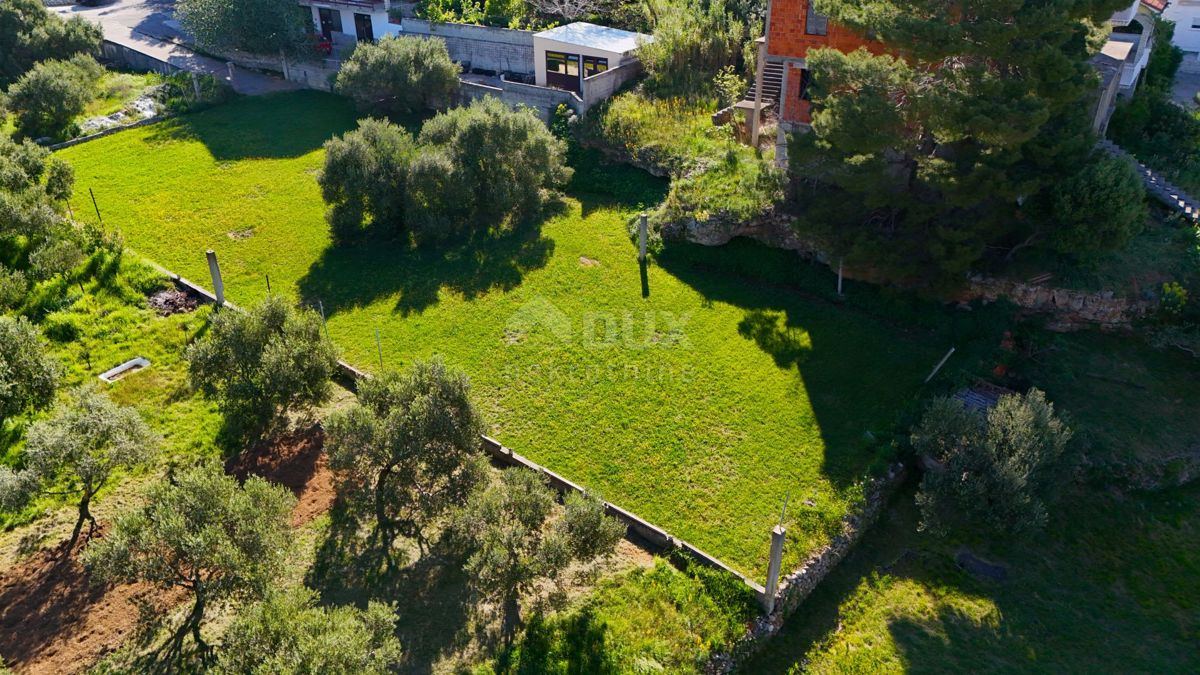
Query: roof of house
[1156, 5]
[582, 34]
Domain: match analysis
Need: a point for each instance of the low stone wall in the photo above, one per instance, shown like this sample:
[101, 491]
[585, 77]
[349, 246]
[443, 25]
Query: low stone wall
[496, 49]
[1067, 309]
[108, 132]
[123, 57]
[597, 88]
[795, 587]
[543, 99]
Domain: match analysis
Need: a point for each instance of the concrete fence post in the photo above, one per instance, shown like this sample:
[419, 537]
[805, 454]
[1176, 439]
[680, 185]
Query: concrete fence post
[214, 269]
[642, 227]
[778, 534]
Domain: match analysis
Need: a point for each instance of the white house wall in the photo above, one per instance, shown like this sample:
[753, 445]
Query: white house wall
[543, 45]
[379, 21]
[1186, 15]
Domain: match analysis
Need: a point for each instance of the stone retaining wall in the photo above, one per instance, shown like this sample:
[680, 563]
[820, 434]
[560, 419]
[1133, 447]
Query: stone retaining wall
[795, 587]
[1067, 309]
[108, 132]
[131, 59]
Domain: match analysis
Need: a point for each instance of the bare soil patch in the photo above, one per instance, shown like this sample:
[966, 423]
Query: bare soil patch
[172, 301]
[54, 620]
[295, 460]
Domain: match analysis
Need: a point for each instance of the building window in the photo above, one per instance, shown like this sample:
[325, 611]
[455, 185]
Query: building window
[1196, 23]
[563, 64]
[594, 65]
[805, 80]
[331, 21]
[815, 24]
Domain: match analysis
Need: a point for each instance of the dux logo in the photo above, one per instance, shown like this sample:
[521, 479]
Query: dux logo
[599, 330]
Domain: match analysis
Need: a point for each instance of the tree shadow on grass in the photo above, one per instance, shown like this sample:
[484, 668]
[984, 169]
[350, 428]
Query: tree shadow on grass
[858, 372]
[356, 275]
[432, 596]
[275, 126]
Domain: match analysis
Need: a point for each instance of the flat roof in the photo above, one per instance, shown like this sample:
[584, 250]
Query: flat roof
[585, 34]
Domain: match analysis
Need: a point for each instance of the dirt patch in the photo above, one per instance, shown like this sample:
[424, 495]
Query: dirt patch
[172, 301]
[295, 460]
[588, 262]
[241, 235]
[55, 621]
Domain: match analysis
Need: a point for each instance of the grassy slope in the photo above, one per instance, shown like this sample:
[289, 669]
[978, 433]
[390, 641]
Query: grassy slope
[1112, 585]
[114, 325]
[699, 430]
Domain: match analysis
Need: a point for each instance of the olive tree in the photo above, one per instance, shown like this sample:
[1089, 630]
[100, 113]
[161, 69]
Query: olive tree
[364, 177]
[258, 26]
[399, 74]
[516, 542]
[48, 98]
[409, 450]
[203, 533]
[506, 160]
[288, 634]
[995, 472]
[263, 363]
[76, 450]
[30, 33]
[28, 374]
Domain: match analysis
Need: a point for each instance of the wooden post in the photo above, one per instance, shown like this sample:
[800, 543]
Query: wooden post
[379, 348]
[321, 307]
[840, 278]
[773, 567]
[196, 85]
[642, 227]
[283, 62]
[95, 206]
[214, 270]
[759, 67]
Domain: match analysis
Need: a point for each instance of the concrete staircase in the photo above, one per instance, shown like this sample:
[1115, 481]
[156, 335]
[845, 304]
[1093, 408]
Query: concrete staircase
[772, 83]
[1158, 187]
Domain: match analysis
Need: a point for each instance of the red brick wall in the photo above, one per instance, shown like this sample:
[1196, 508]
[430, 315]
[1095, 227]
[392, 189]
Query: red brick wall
[788, 39]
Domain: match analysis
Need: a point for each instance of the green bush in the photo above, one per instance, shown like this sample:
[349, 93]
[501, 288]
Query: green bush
[30, 33]
[693, 41]
[178, 93]
[258, 26]
[1098, 209]
[994, 474]
[399, 75]
[365, 176]
[48, 98]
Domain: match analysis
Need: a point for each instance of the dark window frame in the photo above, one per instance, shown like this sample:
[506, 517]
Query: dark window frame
[815, 24]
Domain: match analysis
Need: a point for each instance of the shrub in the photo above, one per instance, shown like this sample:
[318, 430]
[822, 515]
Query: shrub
[693, 41]
[30, 33]
[1098, 209]
[364, 178]
[437, 207]
[28, 374]
[13, 285]
[179, 95]
[399, 75]
[995, 473]
[263, 363]
[48, 98]
[505, 159]
[289, 634]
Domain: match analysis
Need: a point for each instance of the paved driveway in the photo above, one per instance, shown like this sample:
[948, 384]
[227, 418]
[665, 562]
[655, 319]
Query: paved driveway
[149, 27]
[1184, 90]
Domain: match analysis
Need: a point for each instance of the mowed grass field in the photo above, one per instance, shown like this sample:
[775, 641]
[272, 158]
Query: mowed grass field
[695, 398]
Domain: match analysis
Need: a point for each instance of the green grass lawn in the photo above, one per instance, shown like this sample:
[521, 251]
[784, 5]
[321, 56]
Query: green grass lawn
[696, 398]
[1112, 586]
[100, 323]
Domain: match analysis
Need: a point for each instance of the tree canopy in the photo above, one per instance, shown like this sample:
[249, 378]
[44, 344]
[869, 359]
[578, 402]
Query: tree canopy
[76, 450]
[921, 160]
[204, 533]
[30, 33]
[410, 450]
[996, 473]
[263, 363]
[399, 75]
[257, 26]
[289, 634]
[28, 374]
[49, 97]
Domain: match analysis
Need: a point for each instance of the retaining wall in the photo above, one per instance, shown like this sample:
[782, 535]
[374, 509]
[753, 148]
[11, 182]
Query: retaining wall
[599, 87]
[542, 99]
[498, 49]
[108, 132]
[130, 59]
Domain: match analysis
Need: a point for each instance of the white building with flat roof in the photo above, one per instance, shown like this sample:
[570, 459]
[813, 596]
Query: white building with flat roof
[565, 56]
